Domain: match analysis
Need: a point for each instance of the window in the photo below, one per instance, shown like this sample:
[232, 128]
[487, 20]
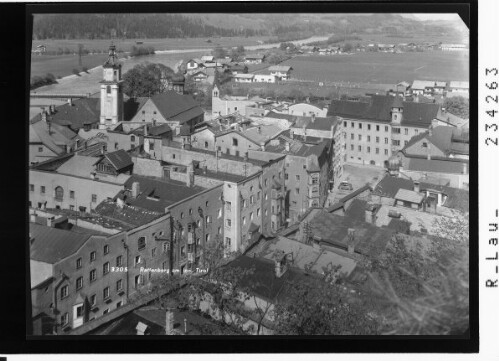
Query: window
[93, 300]
[405, 142]
[345, 135]
[72, 194]
[118, 304]
[352, 124]
[165, 246]
[251, 216]
[93, 275]
[377, 150]
[65, 319]
[244, 220]
[234, 142]
[386, 151]
[64, 292]
[424, 145]
[258, 195]
[206, 145]
[227, 206]
[106, 249]
[40, 149]
[105, 311]
[153, 252]
[416, 131]
[71, 207]
[151, 146]
[360, 137]
[219, 230]
[155, 112]
[252, 199]
[79, 283]
[119, 285]
[368, 149]
[406, 131]
[266, 182]
[119, 261]
[297, 190]
[173, 155]
[297, 178]
[132, 138]
[228, 222]
[94, 198]
[360, 125]
[345, 124]
[369, 127]
[207, 238]
[105, 293]
[386, 128]
[163, 265]
[219, 212]
[32, 187]
[93, 256]
[82, 209]
[386, 140]
[182, 251]
[138, 280]
[368, 138]
[137, 260]
[141, 243]
[108, 89]
[351, 146]
[115, 145]
[266, 196]
[227, 241]
[360, 148]
[377, 128]
[315, 180]
[105, 268]
[286, 176]
[377, 139]
[181, 215]
[396, 142]
[78, 263]
[59, 193]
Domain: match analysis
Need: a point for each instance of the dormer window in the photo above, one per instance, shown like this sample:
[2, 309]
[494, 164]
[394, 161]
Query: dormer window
[425, 145]
[108, 89]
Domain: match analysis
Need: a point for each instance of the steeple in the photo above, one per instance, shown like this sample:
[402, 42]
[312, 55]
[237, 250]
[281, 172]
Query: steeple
[111, 99]
[397, 109]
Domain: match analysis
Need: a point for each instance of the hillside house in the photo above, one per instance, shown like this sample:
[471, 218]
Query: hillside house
[281, 72]
[254, 59]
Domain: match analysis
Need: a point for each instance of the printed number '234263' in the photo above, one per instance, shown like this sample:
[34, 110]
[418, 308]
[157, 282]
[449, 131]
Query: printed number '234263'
[492, 112]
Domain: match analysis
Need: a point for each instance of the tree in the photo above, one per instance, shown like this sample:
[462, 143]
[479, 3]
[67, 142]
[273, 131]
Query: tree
[347, 47]
[237, 53]
[145, 80]
[219, 52]
[459, 106]
[320, 308]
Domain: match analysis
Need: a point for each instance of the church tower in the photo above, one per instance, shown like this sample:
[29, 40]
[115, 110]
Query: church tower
[111, 91]
[397, 110]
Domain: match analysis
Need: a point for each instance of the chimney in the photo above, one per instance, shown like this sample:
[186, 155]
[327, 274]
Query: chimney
[92, 175]
[135, 189]
[465, 168]
[70, 102]
[286, 146]
[44, 116]
[154, 122]
[190, 175]
[145, 131]
[351, 239]
[170, 321]
[50, 221]
[429, 152]
[52, 109]
[370, 214]
[416, 187]
[291, 133]
[280, 267]
[205, 169]
[430, 130]
[141, 329]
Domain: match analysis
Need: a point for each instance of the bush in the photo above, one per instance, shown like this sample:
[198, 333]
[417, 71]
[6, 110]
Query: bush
[76, 71]
[85, 69]
[140, 51]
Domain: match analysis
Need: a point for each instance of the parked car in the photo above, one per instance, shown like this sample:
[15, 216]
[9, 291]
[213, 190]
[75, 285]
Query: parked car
[346, 186]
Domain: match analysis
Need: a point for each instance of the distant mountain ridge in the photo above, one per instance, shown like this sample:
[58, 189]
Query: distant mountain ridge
[90, 26]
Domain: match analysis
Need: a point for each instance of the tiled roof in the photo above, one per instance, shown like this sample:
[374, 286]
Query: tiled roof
[129, 216]
[422, 84]
[188, 115]
[459, 84]
[319, 123]
[119, 159]
[156, 195]
[417, 114]
[332, 229]
[52, 245]
[58, 138]
[447, 139]
[298, 148]
[159, 129]
[173, 105]
[389, 186]
[280, 68]
[422, 164]
[407, 195]
[273, 114]
[82, 111]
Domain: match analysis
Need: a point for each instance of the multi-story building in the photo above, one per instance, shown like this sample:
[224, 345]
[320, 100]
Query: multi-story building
[78, 182]
[377, 129]
[243, 138]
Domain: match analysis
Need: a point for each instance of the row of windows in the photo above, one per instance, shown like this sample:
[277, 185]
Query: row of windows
[106, 292]
[359, 136]
[93, 257]
[360, 124]
[59, 192]
[352, 148]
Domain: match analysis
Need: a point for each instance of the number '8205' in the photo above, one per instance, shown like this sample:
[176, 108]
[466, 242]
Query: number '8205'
[491, 99]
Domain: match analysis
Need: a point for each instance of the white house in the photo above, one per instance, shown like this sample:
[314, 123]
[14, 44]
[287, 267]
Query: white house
[459, 86]
[264, 78]
[282, 72]
[254, 59]
[243, 78]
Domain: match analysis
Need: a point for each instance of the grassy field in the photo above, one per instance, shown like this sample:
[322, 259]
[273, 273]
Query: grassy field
[383, 68]
[63, 65]
[414, 38]
[157, 44]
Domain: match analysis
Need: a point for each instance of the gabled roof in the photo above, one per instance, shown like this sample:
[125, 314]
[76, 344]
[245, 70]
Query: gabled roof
[422, 84]
[83, 111]
[389, 186]
[379, 108]
[407, 195]
[255, 56]
[244, 76]
[159, 130]
[58, 138]
[280, 68]
[119, 159]
[319, 123]
[448, 139]
[459, 84]
[52, 244]
[175, 106]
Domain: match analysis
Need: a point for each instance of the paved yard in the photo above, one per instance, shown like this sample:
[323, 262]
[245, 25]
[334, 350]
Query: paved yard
[358, 175]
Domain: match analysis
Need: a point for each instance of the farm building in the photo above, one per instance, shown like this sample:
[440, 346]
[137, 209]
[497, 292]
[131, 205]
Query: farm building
[193, 64]
[200, 76]
[254, 59]
[264, 78]
[459, 87]
[282, 72]
[243, 78]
